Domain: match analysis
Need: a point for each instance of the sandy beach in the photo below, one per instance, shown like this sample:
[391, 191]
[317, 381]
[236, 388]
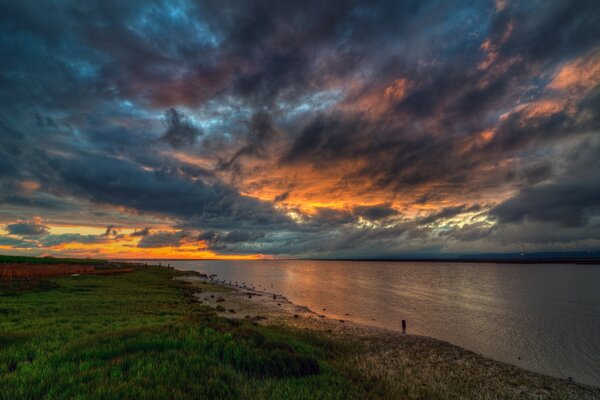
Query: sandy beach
[407, 363]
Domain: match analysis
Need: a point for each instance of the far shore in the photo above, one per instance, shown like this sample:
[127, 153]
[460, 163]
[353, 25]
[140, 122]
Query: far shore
[482, 259]
[386, 354]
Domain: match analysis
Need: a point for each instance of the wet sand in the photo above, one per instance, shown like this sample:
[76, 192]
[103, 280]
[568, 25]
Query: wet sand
[411, 366]
[268, 308]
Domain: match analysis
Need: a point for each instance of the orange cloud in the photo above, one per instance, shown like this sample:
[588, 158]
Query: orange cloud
[580, 74]
[378, 102]
[491, 48]
[29, 185]
[544, 108]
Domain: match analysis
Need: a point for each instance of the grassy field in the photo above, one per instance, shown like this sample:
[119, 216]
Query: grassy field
[140, 335]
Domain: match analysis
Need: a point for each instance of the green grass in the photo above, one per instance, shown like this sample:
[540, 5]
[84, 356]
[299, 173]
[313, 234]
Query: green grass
[141, 336]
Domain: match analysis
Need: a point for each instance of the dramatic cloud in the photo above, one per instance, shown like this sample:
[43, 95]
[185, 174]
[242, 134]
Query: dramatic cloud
[570, 199]
[55, 240]
[375, 212]
[312, 129]
[141, 232]
[223, 241]
[180, 131]
[27, 228]
[163, 239]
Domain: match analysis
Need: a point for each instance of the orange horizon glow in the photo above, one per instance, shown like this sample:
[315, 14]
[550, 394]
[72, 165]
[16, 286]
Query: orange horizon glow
[124, 246]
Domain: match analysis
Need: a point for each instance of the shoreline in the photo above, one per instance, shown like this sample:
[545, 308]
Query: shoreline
[385, 353]
[279, 309]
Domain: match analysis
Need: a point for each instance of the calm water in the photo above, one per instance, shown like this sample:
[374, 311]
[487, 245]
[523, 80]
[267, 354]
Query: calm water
[548, 315]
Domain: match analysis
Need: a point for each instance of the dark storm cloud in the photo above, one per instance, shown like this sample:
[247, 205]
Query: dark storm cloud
[111, 231]
[163, 239]
[520, 130]
[17, 243]
[331, 216]
[219, 240]
[376, 212]
[559, 29]
[335, 217]
[566, 203]
[323, 139]
[38, 201]
[281, 197]
[27, 228]
[55, 240]
[261, 132]
[180, 130]
[571, 199]
[141, 232]
[444, 99]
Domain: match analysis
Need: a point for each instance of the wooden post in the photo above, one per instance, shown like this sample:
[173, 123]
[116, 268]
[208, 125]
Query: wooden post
[404, 327]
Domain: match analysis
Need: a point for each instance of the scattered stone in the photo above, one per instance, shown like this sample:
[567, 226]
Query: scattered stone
[220, 308]
[341, 320]
[296, 316]
[220, 300]
[231, 310]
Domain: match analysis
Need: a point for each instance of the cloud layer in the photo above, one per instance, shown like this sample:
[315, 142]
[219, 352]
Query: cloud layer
[311, 129]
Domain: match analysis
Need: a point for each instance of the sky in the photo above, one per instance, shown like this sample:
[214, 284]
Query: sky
[250, 129]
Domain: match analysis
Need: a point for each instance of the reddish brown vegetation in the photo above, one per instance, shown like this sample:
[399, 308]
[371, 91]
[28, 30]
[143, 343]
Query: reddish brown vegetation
[113, 271]
[23, 270]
